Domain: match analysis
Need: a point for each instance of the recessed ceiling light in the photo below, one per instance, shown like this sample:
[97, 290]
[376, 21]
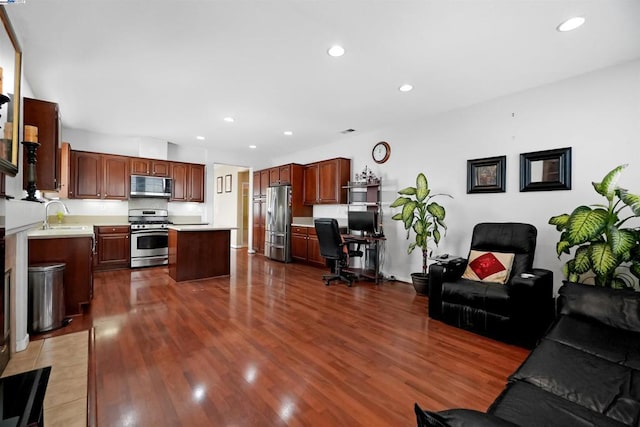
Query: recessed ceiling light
[571, 24]
[288, 132]
[229, 119]
[252, 146]
[336, 51]
[201, 138]
[405, 88]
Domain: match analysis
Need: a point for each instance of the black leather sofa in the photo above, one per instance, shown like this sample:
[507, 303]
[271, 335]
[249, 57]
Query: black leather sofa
[584, 372]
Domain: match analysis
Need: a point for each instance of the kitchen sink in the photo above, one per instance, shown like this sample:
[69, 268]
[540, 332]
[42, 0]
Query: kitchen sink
[68, 227]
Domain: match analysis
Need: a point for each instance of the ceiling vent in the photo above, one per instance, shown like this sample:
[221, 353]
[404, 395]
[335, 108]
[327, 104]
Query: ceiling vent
[346, 131]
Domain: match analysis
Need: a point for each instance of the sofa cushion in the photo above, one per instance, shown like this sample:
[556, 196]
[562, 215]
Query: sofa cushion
[527, 405]
[614, 307]
[613, 344]
[587, 380]
[486, 266]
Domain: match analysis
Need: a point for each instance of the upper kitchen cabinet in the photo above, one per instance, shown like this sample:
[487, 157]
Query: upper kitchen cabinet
[99, 176]
[150, 167]
[115, 181]
[46, 117]
[188, 182]
[323, 181]
[280, 175]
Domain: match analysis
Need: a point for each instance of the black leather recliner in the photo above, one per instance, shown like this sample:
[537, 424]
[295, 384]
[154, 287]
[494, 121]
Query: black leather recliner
[519, 311]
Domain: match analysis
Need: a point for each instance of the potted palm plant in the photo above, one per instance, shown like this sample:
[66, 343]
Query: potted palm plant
[605, 250]
[426, 218]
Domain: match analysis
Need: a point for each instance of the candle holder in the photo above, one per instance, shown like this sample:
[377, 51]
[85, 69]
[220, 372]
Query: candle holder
[31, 170]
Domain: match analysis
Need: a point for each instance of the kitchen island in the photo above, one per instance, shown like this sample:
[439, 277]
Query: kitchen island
[199, 251]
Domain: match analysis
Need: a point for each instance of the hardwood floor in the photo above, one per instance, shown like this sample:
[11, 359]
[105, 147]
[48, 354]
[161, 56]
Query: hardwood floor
[272, 346]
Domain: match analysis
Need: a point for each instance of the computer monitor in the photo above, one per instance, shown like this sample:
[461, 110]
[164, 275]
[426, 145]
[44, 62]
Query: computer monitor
[364, 221]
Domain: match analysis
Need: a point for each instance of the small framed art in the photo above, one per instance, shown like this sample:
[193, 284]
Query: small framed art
[219, 185]
[486, 175]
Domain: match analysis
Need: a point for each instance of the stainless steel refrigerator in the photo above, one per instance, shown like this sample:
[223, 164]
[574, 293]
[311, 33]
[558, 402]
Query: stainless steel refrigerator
[277, 239]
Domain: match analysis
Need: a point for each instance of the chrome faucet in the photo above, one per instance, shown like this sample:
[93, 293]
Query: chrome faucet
[45, 224]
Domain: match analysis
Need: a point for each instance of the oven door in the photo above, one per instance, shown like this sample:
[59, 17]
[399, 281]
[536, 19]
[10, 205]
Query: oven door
[149, 247]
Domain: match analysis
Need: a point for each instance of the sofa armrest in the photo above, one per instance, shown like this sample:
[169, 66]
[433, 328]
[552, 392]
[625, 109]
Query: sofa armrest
[619, 308]
[458, 418]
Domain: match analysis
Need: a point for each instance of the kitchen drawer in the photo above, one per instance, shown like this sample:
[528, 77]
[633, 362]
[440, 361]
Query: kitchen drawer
[297, 229]
[109, 229]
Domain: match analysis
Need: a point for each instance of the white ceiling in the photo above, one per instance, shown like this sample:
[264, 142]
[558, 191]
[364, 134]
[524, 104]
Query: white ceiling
[174, 69]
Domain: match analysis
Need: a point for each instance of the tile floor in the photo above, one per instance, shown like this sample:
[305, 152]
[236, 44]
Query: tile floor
[65, 403]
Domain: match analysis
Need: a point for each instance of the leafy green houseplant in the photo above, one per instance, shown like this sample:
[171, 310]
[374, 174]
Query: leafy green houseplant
[422, 215]
[604, 247]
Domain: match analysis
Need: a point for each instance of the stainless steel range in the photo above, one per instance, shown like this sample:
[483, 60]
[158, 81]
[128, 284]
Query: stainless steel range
[149, 237]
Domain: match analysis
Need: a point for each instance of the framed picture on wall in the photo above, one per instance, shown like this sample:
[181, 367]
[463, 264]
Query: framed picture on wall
[227, 183]
[486, 175]
[219, 185]
[546, 170]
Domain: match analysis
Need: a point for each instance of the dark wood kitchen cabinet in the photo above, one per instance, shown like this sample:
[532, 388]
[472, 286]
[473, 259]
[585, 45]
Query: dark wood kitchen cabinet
[188, 182]
[46, 117]
[260, 183]
[305, 246]
[324, 181]
[259, 210]
[113, 247]
[99, 176]
[77, 254]
[150, 167]
[299, 238]
[280, 175]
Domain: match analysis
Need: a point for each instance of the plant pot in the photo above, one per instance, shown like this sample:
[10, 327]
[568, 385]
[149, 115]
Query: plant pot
[420, 283]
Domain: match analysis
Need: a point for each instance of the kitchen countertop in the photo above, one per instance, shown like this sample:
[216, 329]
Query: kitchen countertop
[199, 227]
[61, 231]
[308, 222]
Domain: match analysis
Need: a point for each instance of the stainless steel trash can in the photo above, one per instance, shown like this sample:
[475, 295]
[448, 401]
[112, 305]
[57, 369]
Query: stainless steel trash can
[46, 297]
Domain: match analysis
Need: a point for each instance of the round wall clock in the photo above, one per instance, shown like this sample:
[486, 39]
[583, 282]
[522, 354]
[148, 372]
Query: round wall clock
[381, 152]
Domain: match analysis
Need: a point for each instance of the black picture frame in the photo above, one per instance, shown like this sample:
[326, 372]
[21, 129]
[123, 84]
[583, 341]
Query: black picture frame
[227, 183]
[219, 185]
[546, 170]
[486, 175]
[10, 108]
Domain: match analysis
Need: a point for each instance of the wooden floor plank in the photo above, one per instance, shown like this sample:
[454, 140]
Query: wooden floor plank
[271, 345]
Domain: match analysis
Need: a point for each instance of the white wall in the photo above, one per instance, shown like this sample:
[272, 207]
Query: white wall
[225, 205]
[597, 114]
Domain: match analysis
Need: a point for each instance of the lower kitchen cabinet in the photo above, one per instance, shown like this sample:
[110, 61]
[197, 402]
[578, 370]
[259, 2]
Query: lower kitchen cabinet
[76, 253]
[259, 210]
[113, 247]
[305, 246]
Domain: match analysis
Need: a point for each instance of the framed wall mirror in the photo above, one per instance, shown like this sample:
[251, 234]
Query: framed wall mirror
[11, 65]
[546, 170]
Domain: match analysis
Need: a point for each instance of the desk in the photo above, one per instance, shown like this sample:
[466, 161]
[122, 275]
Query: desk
[373, 249]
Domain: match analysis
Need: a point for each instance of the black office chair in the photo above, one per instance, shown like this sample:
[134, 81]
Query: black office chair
[332, 248]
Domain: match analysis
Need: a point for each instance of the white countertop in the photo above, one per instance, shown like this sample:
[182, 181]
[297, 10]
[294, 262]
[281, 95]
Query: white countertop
[199, 227]
[308, 222]
[61, 231]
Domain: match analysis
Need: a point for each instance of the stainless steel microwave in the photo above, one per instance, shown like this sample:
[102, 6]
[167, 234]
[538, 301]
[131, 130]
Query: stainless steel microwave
[150, 186]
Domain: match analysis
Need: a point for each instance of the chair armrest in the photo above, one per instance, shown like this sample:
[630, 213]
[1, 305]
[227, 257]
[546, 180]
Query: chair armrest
[438, 274]
[541, 283]
[533, 305]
